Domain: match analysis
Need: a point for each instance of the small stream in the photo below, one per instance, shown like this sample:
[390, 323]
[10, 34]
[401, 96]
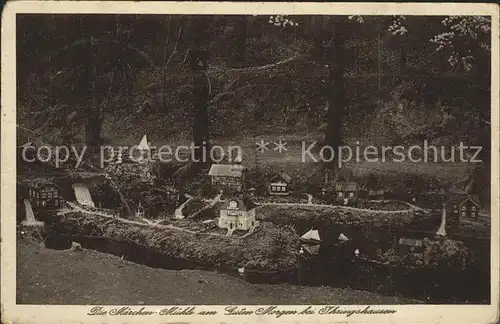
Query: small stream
[334, 266]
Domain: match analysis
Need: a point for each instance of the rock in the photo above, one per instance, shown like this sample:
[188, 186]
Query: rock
[76, 246]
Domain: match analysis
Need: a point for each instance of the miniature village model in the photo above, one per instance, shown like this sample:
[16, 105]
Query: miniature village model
[346, 189]
[227, 175]
[42, 194]
[234, 214]
[237, 214]
[280, 184]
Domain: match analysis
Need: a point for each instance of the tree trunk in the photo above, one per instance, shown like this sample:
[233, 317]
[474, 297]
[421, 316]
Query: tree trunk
[200, 87]
[240, 41]
[93, 118]
[402, 59]
[319, 33]
[336, 97]
[379, 60]
[165, 59]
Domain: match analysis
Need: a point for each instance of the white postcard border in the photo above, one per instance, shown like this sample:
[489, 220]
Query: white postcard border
[24, 314]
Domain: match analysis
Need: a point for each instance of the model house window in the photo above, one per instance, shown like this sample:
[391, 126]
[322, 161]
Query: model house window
[341, 194]
[463, 207]
[44, 194]
[273, 188]
[473, 208]
[463, 214]
[233, 204]
[351, 194]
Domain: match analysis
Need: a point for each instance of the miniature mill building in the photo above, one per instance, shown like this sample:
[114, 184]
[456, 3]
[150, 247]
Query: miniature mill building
[237, 213]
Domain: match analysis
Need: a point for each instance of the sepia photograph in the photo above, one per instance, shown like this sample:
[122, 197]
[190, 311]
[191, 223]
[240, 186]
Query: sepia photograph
[250, 158]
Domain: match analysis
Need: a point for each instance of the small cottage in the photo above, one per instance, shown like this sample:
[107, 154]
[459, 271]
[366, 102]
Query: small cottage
[463, 207]
[407, 245]
[237, 213]
[227, 175]
[43, 194]
[376, 194]
[280, 184]
[346, 189]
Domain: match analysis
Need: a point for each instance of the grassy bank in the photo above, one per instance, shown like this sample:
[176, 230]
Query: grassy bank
[290, 214]
[271, 248]
[90, 277]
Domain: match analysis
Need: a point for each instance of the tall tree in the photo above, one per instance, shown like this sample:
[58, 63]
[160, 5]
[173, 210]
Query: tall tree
[241, 40]
[199, 55]
[336, 95]
[93, 116]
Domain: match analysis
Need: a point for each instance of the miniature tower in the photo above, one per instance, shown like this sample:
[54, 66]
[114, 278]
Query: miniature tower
[144, 148]
[139, 212]
[238, 159]
[442, 228]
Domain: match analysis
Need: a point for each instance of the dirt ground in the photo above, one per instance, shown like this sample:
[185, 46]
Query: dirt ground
[88, 277]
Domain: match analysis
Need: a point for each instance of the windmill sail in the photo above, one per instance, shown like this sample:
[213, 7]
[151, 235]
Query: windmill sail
[442, 228]
[311, 235]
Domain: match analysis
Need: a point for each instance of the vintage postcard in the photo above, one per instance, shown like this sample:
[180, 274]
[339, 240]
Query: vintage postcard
[220, 162]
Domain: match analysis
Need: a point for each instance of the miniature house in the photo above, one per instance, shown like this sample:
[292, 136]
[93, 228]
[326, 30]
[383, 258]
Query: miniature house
[139, 211]
[280, 184]
[407, 245]
[376, 194]
[44, 194]
[469, 208]
[227, 175]
[464, 207]
[237, 213]
[346, 189]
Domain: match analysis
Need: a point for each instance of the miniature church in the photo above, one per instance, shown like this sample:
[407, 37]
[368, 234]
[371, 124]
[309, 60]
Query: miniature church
[139, 211]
